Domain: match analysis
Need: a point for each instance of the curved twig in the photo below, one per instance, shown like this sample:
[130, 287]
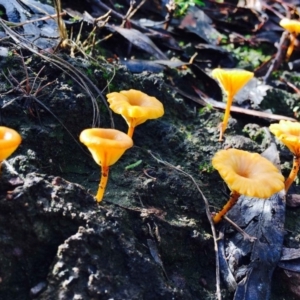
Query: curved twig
[208, 214]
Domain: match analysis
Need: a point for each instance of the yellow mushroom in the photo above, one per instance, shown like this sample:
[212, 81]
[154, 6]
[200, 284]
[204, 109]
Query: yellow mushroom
[9, 142]
[293, 27]
[289, 134]
[135, 107]
[231, 81]
[247, 174]
[106, 146]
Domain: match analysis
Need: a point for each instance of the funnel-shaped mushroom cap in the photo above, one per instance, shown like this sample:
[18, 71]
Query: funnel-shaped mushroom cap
[289, 134]
[135, 107]
[290, 25]
[247, 173]
[9, 142]
[232, 80]
[106, 145]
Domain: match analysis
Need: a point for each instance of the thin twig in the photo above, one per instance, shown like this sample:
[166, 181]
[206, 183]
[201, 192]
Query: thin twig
[290, 85]
[208, 214]
[240, 230]
[13, 25]
[79, 77]
[279, 57]
[133, 12]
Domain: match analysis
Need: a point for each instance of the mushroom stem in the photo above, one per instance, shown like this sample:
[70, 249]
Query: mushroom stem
[102, 184]
[226, 116]
[130, 131]
[291, 46]
[234, 196]
[293, 173]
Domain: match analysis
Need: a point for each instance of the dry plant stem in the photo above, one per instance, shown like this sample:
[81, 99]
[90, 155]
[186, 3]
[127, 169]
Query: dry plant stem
[279, 57]
[80, 78]
[132, 11]
[240, 230]
[103, 183]
[289, 84]
[60, 23]
[285, 14]
[226, 116]
[208, 214]
[13, 25]
[291, 47]
[293, 173]
[234, 196]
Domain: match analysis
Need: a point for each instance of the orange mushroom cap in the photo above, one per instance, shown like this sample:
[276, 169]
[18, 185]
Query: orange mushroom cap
[106, 145]
[232, 80]
[9, 142]
[290, 25]
[289, 134]
[247, 173]
[135, 106]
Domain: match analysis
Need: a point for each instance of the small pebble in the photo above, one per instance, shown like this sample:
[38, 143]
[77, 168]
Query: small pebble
[36, 290]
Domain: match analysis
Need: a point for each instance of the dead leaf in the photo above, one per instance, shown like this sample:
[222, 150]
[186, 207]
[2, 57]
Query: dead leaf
[140, 40]
[197, 22]
[290, 253]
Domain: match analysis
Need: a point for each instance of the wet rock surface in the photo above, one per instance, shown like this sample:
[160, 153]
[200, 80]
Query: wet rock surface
[58, 244]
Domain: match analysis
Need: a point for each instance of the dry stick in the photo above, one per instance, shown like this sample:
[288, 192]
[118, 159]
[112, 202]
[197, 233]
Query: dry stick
[280, 56]
[240, 230]
[276, 12]
[290, 85]
[133, 12]
[13, 25]
[208, 214]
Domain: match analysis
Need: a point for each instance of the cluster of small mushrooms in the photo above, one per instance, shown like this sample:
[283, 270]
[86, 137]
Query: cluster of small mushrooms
[248, 173]
[108, 145]
[245, 173]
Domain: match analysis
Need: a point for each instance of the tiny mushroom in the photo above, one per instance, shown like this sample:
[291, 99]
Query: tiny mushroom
[247, 174]
[289, 134]
[293, 27]
[232, 80]
[9, 142]
[135, 107]
[106, 146]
